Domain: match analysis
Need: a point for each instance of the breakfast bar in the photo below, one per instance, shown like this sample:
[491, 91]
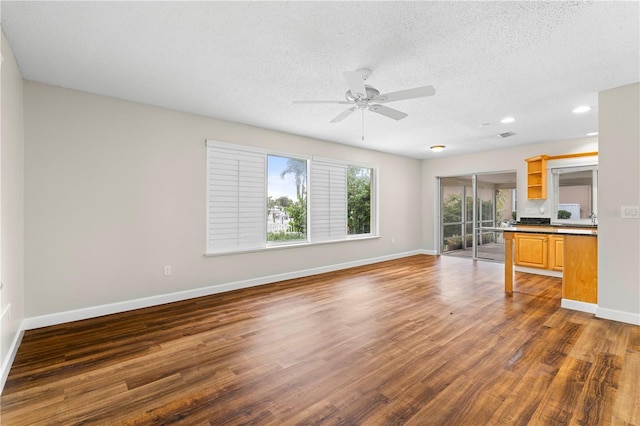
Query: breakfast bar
[574, 249]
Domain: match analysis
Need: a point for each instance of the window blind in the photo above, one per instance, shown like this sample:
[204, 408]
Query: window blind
[328, 196]
[236, 199]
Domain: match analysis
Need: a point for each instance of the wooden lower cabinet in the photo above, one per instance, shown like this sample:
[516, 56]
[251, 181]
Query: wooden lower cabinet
[556, 252]
[576, 256]
[542, 251]
[580, 276]
[531, 250]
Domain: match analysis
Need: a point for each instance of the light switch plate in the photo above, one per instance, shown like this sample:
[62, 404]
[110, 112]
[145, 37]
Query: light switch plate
[630, 212]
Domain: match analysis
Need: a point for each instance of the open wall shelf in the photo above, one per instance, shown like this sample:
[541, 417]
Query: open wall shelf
[537, 177]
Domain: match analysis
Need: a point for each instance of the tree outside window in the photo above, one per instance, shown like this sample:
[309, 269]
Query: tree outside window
[287, 199]
[359, 200]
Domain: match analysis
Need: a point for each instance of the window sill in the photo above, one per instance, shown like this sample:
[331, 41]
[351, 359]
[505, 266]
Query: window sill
[292, 245]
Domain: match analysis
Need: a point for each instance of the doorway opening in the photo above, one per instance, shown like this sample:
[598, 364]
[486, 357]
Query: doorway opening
[469, 205]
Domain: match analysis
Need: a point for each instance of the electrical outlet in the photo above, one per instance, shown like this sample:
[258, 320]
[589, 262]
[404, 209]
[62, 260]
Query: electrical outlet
[167, 270]
[393, 241]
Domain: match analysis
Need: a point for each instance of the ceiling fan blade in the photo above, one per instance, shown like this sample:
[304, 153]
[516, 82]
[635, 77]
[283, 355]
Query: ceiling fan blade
[355, 81]
[321, 102]
[418, 92]
[387, 112]
[344, 114]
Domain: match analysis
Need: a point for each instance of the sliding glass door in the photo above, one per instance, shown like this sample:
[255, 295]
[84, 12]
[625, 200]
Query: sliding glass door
[456, 214]
[468, 205]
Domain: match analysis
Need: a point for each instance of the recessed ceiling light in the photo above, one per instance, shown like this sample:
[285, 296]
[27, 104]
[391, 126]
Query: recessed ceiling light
[508, 120]
[581, 109]
[437, 148]
[592, 134]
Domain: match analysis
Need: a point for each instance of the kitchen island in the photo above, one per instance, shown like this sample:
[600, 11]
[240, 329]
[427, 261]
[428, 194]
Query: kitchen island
[576, 252]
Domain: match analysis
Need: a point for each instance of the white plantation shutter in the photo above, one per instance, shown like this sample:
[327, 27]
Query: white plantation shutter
[236, 199]
[328, 195]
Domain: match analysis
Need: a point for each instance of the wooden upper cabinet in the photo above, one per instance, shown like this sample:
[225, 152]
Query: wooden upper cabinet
[531, 250]
[537, 177]
[537, 173]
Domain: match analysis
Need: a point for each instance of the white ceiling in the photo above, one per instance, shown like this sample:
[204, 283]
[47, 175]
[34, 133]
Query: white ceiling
[247, 62]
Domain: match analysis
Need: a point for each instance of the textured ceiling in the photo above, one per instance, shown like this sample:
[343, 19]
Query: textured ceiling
[247, 62]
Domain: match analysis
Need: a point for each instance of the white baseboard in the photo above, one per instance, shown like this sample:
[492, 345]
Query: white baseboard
[7, 362]
[576, 305]
[113, 308]
[620, 316]
[429, 252]
[546, 272]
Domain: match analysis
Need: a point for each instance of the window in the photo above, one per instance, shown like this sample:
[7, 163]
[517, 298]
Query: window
[286, 199]
[257, 199]
[576, 191]
[359, 200]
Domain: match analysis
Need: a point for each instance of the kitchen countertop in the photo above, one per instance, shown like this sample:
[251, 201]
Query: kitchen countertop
[548, 229]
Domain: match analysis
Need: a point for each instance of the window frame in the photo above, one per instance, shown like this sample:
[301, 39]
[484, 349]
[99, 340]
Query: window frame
[561, 167]
[311, 161]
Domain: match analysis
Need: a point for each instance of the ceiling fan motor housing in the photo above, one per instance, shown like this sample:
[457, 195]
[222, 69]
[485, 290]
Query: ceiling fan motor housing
[372, 92]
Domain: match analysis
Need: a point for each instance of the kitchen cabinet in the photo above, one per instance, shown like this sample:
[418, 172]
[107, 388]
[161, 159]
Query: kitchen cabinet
[543, 251]
[537, 173]
[580, 276]
[574, 251]
[556, 252]
[532, 250]
[537, 177]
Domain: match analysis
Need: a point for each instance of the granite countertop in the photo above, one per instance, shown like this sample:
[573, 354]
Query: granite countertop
[547, 229]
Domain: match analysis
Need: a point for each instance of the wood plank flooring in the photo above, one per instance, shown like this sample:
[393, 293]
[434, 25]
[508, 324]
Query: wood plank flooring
[422, 340]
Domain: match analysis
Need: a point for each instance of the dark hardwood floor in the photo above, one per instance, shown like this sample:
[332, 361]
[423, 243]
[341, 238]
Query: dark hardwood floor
[422, 340]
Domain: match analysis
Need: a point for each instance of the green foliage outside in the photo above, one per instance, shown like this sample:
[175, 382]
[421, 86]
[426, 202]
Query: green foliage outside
[284, 236]
[452, 213]
[564, 214]
[297, 211]
[298, 214]
[452, 209]
[358, 200]
[299, 170]
[280, 201]
[501, 198]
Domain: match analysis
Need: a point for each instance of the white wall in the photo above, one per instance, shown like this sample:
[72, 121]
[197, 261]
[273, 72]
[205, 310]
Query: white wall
[619, 185]
[508, 159]
[11, 209]
[115, 190]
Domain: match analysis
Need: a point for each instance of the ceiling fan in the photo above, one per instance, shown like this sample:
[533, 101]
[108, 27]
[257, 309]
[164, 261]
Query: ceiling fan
[363, 96]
